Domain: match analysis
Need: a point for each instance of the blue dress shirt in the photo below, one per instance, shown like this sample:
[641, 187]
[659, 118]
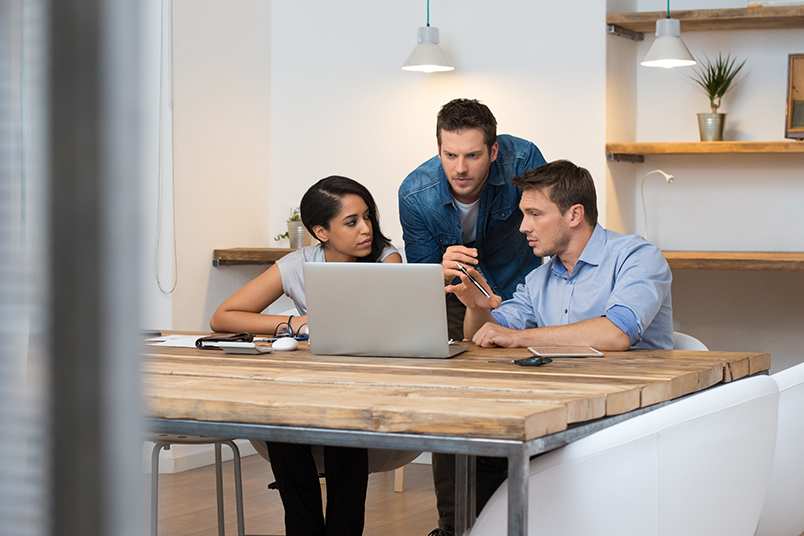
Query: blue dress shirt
[431, 222]
[624, 278]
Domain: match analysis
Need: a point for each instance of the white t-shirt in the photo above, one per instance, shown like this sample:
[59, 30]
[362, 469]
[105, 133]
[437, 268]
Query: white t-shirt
[468, 220]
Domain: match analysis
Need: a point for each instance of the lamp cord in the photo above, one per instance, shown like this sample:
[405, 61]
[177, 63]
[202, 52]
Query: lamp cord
[428, 12]
[160, 175]
[668, 9]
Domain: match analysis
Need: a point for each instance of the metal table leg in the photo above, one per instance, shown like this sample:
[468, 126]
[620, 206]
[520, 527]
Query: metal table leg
[465, 485]
[518, 472]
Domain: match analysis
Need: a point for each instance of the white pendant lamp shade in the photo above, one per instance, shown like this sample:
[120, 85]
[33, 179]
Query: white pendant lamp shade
[427, 57]
[668, 50]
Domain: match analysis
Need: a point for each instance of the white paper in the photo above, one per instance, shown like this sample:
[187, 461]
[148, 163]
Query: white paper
[174, 341]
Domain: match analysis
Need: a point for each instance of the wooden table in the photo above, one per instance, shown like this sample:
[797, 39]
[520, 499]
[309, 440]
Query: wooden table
[477, 403]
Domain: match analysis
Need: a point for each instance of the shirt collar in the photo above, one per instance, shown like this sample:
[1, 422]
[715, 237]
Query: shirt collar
[593, 253]
[595, 249]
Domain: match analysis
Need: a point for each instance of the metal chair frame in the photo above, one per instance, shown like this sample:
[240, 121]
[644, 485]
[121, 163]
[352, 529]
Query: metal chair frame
[164, 441]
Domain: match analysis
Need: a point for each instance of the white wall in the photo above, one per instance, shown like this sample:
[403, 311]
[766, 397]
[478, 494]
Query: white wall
[342, 105]
[222, 145]
[718, 202]
[272, 96]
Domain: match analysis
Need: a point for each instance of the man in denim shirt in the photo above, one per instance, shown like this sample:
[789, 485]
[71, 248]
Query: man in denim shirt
[460, 206]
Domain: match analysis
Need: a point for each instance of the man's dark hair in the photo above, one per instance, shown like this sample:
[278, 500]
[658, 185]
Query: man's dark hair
[463, 114]
[564, 184]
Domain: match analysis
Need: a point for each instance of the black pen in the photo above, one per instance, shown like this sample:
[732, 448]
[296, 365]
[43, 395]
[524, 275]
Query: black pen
[473, 280]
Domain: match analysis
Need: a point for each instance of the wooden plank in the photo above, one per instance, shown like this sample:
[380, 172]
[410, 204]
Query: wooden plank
[338, 407]
[585, 399]
[477, 394]
[735, 260]
[235, 256]
[706, 147]
[715, 19]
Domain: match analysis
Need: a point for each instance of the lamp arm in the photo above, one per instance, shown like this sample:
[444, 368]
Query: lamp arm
[667, 177]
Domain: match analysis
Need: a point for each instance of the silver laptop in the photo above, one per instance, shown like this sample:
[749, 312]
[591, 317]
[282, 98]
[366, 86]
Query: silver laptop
[377, 309]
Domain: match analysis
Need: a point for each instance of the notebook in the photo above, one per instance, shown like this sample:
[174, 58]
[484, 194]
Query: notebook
[377, 309]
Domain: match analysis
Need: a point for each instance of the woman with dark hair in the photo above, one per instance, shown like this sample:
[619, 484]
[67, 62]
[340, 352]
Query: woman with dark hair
[342, 215]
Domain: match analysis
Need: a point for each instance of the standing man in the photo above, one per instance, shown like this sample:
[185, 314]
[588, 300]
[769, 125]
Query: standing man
[460, 206]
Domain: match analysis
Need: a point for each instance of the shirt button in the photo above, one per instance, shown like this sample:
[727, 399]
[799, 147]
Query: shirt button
[565, 311]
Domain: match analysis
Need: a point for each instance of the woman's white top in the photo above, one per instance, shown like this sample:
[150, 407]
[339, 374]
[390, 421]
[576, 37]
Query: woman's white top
[290, 268]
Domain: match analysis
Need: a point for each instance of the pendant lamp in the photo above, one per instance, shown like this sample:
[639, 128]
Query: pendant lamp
[427, 56]
[668, 50]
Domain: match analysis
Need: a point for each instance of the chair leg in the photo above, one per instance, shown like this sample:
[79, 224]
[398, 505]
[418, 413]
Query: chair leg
[241, 530]
[399, 479]
[219, 488]
[155, 487]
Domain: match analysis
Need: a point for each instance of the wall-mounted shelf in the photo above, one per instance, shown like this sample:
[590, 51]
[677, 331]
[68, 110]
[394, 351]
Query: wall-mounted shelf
[735, 260]
[715, 19]
[239, 256]
[626, 151]
[678, 260]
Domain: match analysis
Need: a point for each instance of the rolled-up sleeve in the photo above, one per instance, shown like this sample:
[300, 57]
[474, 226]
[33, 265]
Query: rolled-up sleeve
[642, 284]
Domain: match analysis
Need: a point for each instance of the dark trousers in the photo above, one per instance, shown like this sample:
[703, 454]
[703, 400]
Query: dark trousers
[491, 472]
[346, 471]
[455, 313]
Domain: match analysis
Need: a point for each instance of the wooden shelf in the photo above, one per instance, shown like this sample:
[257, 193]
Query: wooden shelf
[238, 256]
[715, 19]
[704, 147]
[678, 260]
[735, 260]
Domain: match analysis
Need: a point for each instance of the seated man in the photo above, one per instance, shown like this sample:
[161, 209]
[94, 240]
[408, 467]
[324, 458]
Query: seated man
[600, 289]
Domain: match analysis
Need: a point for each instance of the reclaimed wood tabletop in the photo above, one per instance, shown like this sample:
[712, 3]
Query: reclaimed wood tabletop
[479, 393]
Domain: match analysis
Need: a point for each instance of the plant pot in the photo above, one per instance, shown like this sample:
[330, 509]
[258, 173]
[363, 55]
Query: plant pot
[298, 235]
[711, 125]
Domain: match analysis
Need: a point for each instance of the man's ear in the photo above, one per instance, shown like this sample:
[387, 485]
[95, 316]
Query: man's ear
[493, 152]
[576, 213]
[320, 233]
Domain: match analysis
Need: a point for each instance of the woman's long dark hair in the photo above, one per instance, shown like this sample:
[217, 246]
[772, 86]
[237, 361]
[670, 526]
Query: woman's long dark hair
[324, 200]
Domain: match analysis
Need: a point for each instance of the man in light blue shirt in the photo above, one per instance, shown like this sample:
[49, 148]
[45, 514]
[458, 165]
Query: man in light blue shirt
[600, 288]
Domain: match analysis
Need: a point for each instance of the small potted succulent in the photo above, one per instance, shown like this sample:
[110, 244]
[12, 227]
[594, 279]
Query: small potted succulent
[296, 234]
[715, 79]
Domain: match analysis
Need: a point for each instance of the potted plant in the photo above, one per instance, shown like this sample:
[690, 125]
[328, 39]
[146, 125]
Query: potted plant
[296, 234]
[715, 78]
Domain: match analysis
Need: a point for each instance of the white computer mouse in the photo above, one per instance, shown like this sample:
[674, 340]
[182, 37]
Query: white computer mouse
[285, 344]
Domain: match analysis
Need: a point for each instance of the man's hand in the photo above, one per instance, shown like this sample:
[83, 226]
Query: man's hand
[491, 334]
[462, 254]
[470, 295]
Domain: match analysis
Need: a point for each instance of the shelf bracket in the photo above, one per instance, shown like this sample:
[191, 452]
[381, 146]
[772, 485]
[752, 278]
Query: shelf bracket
[621, 157]
[624, 32]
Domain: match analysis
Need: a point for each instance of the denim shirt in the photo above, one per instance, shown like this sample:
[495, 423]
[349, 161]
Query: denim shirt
[431, 222]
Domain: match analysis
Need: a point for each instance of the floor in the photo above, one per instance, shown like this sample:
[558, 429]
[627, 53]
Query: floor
[187, 503]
